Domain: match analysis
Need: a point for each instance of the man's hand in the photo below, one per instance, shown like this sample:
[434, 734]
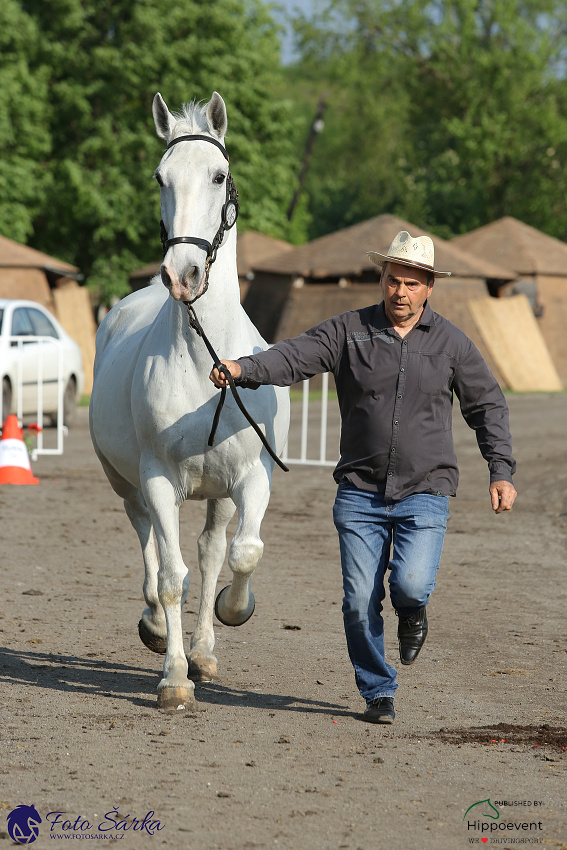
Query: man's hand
[503, 495]
[219, 380]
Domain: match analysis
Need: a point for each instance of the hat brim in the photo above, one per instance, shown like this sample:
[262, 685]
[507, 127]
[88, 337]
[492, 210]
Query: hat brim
[379, 260]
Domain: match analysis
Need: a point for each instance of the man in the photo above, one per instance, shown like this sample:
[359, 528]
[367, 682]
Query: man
[396, 366]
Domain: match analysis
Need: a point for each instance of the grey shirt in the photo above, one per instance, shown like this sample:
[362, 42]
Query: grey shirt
[396, 398]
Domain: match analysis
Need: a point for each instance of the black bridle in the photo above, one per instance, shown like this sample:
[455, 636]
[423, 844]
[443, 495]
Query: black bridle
[229, 214]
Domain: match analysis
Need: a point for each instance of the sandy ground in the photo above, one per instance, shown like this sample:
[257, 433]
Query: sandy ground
[278, 755]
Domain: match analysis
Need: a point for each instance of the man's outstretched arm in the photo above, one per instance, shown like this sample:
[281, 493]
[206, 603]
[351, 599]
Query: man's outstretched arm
[289, 360]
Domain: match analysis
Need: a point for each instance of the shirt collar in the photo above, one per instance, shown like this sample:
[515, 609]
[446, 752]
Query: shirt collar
[382, 322]
[428, 316]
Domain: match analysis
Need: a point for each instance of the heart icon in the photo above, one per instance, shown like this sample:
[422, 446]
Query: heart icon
[484, 840]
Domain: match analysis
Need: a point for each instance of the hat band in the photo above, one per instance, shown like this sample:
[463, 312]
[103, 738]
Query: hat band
[404, 261]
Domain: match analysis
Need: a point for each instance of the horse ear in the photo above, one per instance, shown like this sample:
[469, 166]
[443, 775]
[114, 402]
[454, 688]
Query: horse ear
[216, 115]
[163, 118]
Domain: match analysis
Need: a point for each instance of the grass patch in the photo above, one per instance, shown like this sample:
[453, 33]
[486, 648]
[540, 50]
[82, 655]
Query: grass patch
[314, 395]
[85, 401]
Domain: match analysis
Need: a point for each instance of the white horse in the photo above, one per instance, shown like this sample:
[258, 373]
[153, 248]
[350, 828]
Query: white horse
[152, 404]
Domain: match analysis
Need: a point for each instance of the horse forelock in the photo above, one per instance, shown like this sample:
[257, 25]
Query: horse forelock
[192, 120]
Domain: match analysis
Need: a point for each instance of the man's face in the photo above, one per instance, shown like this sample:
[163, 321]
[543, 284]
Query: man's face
[405, 291]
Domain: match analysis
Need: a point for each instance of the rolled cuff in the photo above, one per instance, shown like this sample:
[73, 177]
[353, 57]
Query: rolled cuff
[244, 381]
[501, 472]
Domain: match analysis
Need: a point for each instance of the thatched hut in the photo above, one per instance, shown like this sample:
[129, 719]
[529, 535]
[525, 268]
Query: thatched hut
[34, 276]
[293, 291]
[540, 264]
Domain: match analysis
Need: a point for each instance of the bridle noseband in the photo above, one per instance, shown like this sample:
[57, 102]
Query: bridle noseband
[229, 214]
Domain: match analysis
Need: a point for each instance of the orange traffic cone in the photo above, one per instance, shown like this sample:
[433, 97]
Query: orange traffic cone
[15, 465]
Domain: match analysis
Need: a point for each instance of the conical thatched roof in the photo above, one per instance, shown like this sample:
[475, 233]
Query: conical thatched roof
[15, 255]
[344, 253]
[518, 246]
[253, 249]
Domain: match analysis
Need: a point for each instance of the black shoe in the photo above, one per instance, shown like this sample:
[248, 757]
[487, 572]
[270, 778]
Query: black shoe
[412, 632]
[380, 710]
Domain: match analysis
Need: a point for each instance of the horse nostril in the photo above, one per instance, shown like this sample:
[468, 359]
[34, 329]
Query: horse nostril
[191, 273]
[165, 278]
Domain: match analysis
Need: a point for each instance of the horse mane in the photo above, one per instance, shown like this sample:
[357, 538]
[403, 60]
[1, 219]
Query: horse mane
[192, 120]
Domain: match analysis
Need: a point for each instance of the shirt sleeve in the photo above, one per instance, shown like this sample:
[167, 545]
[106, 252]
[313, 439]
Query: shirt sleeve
[485, 410]
[291, 360]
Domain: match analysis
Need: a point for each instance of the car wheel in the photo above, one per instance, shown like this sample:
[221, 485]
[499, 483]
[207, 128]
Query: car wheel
[69, 404]
[6, 398]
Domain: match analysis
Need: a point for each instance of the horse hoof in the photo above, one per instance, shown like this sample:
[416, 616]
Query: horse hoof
[176, 699]
[237, 619]
[150, 639]
[202, 668]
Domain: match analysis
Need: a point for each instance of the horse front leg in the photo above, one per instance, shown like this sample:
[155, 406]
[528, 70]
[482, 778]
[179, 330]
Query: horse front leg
[151, 628]
[175, 689]
[235, 603]
[212, 549]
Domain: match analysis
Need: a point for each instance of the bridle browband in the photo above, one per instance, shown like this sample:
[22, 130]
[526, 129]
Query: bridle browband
[229, 214]
[221, 147]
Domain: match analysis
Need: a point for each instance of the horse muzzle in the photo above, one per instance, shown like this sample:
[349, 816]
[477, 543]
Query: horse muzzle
[185, 288]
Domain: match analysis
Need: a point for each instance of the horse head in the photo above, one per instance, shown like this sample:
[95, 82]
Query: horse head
[195, 190]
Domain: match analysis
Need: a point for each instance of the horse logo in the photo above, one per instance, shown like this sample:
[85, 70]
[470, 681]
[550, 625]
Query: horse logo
[23, 824]
[484, 814]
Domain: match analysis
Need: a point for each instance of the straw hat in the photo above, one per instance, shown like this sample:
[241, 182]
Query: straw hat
[415, 251]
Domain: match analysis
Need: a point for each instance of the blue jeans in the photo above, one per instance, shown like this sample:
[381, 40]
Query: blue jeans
[369, 527]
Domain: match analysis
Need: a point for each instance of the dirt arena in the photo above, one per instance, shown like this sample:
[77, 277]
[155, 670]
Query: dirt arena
[278, 755]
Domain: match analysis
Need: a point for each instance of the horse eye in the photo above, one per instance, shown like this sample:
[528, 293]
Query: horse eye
[158, 178]
[220, 178]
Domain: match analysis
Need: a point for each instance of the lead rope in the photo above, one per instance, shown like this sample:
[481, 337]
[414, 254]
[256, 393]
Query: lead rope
[196, 325]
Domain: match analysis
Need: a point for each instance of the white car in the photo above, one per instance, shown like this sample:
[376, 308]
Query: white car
[21, 324]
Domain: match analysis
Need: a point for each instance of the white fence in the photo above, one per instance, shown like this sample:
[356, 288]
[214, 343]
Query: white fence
[26, 375]
[316, 432]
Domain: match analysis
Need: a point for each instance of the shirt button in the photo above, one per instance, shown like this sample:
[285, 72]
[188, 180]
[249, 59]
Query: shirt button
[396, 421]
[399, 396]
[393, 450]
[390, 474]
[404, 342]
[402, 369]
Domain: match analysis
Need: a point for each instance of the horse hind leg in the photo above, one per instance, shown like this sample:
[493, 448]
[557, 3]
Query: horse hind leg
[235, 603]
[212, 549]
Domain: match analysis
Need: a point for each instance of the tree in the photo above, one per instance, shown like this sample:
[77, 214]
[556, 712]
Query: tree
[24, 133]
[102, 61]
[461, 107]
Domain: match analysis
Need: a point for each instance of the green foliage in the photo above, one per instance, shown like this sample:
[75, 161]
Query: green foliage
[447, 114]
[85, 89]
[24, 131]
